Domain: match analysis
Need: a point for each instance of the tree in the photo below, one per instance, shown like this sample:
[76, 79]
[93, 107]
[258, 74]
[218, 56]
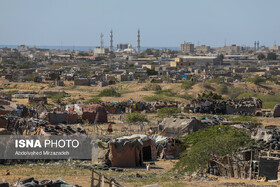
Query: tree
[136, 117]
[260, 56]
[256, 80]
[109, 92]
[112, 55]
[167, 112]
[218, 140]
[220, 57]
[271, 56]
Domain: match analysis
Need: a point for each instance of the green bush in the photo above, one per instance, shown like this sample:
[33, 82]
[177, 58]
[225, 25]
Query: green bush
[109, 92]
[235, 92]
[168, 112]
[93, 100]
[241, 118]
[256, 80]
[136, 117]
[222, 89]
[57, 98]
[218, 140]
[186, 96]
[210, 95]
[32, 78]
[157, 98]
[151, 87]
[207, 85]
[168, 93]
[187, 84]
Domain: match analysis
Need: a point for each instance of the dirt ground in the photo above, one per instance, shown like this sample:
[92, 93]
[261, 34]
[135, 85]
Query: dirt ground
[160, 173]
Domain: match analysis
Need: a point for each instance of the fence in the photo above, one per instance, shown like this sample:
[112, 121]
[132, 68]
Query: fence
[100, 180]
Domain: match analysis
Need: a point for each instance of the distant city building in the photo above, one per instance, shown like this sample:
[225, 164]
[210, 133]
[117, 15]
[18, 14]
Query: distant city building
[122, 46]
[181, 62]
[232, 50]
[275, 48]
[187, 48]
[203, 49]
[185, 61]
[100, 51]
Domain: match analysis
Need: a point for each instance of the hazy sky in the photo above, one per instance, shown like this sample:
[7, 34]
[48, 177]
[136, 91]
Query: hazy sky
[162, 22]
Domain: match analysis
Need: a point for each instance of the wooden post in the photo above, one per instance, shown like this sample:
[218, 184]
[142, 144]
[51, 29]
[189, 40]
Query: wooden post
[251, 161]
[92, 178]
[102, 181]
[99, 180]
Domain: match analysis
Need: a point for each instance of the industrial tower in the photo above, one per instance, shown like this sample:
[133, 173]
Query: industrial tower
[111, 40]
[101, 41]
[138, 41]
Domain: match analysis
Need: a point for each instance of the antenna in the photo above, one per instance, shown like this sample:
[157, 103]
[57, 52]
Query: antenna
[225, 42]
[138, 41]
[111, 40]
[101, 41]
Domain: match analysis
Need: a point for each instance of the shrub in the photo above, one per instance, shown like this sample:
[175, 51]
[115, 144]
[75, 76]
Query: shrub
[207, 85]
[271, 56]
[218, 140]
[157, 98]
[136, 117]
[109, 92]
[32, 78]
[256, 80]
[151, 87]
[168, 112]
[187, 84]
[235, 92]
[93, 100]
[57, 97]
[168, 93]
[222, 89]
[210, 95]
[186, 96]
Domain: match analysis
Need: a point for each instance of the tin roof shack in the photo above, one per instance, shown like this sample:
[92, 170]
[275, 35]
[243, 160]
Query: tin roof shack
[132, 151]
[94, 113]
[247, 163]
[177, 127]
[38, 99]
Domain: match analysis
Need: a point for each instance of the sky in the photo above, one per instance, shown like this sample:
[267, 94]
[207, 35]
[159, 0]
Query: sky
[163, 23]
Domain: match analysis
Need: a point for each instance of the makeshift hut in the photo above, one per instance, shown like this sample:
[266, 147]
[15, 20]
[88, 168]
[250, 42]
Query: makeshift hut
[177, 127]
[94, 113]
[132, 151]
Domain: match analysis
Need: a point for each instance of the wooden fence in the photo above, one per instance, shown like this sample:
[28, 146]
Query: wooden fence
[100, 180]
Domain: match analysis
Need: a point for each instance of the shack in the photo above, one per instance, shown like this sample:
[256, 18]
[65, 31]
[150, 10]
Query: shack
[132, 151]
[177, 127]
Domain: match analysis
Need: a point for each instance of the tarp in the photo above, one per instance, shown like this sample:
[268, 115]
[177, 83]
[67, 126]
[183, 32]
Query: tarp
[177, 127]
[269, 169]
